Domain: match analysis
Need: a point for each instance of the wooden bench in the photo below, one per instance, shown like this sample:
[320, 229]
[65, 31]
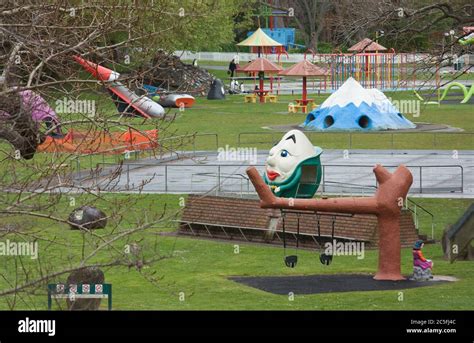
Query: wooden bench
[270, 98]
[292, 108]
[252, 98]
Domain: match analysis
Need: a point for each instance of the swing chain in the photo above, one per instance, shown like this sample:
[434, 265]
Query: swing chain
[290, 260]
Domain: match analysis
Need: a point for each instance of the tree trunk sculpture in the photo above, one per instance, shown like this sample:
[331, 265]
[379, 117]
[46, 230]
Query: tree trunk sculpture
[386, 204]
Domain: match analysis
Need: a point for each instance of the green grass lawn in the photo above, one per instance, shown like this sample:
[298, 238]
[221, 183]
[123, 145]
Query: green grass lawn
[198, 269]
[230, 117]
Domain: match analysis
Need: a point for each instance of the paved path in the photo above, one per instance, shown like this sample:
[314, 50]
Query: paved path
[345, 172]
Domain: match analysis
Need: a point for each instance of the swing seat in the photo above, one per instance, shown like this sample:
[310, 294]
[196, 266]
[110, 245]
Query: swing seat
[325, 259]
[291, 261]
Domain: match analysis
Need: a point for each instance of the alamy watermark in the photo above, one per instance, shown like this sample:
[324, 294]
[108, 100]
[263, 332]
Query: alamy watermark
[411, 107]
[10, 248]
[28, 325]
[336, 248]
[228, 153]
[69, 106]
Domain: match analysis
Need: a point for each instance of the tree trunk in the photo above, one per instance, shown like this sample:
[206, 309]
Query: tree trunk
[313, 43]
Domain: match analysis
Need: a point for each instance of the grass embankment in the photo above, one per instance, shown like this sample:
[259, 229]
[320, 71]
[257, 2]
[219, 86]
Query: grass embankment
[199, 268]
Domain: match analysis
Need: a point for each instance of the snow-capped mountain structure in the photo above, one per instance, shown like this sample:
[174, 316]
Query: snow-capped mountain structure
[354, 108]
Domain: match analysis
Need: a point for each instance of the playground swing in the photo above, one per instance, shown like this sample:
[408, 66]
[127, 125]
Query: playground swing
[324, 258]
[291, 260]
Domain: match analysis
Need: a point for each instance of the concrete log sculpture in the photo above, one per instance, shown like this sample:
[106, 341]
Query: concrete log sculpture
[386, 204]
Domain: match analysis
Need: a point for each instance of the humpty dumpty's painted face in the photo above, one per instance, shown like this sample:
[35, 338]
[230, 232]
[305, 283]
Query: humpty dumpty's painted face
[284, 157]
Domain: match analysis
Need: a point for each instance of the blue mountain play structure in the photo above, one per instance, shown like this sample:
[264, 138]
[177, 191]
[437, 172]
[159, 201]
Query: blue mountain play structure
[354, 108]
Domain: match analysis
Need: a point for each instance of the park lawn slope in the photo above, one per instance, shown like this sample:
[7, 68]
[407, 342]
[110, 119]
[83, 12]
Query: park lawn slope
[198, 270]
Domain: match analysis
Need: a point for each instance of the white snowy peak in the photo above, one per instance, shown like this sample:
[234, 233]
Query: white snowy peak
[352, 92]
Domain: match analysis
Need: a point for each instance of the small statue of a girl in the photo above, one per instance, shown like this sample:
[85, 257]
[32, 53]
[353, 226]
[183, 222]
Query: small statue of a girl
[419, 261]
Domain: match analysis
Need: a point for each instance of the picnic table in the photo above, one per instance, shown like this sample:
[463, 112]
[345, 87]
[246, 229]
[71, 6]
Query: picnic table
[262, 94]
[302, 104]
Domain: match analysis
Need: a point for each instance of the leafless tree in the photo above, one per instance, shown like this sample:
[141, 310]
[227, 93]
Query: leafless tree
[404, 23]
[38, 41]
[431, 29]
[308, 15]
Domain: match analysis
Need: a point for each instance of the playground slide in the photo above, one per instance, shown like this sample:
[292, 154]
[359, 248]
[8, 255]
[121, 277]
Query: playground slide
[169, 100]
[457, 238]
[143, 105]
[175, 100]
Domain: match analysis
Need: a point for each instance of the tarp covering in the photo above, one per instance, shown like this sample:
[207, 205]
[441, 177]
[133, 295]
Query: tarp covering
[78, 142]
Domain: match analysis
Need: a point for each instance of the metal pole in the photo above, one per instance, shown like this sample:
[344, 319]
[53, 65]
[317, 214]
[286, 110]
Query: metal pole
[110, 298]
[324, 179]
[416, 219]
[166, 178]
[128, 176]
[421, 179]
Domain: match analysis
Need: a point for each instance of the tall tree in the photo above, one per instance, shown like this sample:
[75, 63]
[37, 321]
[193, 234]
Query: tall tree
[308, 15]
[38, 41]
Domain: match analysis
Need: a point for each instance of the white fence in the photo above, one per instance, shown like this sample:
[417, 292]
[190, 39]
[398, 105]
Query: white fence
[292, 58]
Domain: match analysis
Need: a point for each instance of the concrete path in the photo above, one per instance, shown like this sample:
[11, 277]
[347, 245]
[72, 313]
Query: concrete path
[345, 172]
